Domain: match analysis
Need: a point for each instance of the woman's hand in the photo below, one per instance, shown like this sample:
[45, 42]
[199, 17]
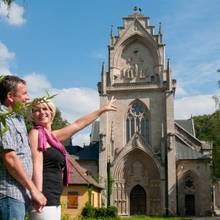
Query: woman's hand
[110, 106]
[69, 130]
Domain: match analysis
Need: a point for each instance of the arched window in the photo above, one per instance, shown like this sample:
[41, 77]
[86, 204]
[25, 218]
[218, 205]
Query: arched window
[189, 182]
[137, 121]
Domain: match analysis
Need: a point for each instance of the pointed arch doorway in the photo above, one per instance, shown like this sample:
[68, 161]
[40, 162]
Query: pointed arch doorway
[137, 201]
[189, 205]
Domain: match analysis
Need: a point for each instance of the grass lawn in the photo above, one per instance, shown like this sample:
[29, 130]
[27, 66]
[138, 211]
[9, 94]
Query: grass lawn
[152, 218]
[138, 217]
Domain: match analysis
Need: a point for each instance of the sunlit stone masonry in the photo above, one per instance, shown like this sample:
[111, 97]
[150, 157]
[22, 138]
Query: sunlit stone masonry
[157, 164]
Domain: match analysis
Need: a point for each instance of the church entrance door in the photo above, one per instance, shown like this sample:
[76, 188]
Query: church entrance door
[137, 201]
[189, 205]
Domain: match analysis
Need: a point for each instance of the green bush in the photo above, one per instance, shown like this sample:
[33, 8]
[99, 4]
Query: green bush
[88, 211]
[99, 213]
[112, 211]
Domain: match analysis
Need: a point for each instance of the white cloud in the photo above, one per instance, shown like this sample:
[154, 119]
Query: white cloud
[13, 14]
[72, 102]
[75, 102]
[81, 139]
[198, 78]
[180, 91]
[37, 84]
[193, 105]
[5, 57]
[195, 56]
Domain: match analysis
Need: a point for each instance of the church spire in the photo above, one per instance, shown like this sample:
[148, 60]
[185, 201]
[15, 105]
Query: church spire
[168, 64]
[112, 37]
[103, 78]
[160, 32]
[160, 35]
[111, 32]
[169, 80]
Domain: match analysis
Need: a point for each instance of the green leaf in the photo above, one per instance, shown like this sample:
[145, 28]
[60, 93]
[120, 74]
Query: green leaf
[8, 2]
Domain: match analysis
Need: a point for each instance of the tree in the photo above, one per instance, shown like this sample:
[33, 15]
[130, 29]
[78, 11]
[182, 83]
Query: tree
[8, 2]
[208, 129]
[216, 96]
[58, 121]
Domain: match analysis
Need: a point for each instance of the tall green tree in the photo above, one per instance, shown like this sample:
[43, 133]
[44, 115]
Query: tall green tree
[58, 121]
[208, 129]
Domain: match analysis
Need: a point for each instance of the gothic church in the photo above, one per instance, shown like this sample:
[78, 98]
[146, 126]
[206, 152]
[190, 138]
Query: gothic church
[158, 165]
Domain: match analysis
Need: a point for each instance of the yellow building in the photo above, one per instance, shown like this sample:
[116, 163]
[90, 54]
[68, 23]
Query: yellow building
[82, 187]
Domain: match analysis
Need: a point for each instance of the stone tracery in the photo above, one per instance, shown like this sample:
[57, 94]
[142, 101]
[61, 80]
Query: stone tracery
[138, 121]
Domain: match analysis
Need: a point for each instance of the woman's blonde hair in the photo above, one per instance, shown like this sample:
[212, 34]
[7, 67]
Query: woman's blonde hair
[52, 108]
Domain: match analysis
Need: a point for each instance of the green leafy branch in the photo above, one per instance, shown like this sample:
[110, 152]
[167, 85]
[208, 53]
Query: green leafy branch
[39, 100]
[1, 77]
[8, 2]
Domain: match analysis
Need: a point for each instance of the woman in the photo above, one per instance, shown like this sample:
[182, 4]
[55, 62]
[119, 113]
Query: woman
[50, 157]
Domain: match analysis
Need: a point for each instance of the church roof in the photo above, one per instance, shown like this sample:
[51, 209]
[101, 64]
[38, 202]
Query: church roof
[184, 152]
[187, 125]
[90, 152]
[73, 149]
[79, 175]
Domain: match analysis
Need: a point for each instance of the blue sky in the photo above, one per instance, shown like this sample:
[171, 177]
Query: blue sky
[60, 46]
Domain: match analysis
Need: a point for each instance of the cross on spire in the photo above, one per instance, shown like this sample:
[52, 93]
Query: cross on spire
[136, 9]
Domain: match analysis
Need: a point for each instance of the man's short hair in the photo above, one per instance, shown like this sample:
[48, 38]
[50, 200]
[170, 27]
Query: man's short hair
[9, 84]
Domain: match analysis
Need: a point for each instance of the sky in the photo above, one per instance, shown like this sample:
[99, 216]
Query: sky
[59, 46]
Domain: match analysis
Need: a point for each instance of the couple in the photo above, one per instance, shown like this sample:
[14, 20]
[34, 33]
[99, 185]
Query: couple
[33, 171]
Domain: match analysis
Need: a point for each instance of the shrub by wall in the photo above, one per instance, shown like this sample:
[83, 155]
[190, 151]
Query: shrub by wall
[91, 212]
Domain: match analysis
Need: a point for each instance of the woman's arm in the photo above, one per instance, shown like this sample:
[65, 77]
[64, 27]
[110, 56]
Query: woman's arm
[69, 130]
[37, 157]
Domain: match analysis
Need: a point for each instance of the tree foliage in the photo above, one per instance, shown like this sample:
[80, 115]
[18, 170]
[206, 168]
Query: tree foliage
[208, 129]
[58, 121]
[8, 2]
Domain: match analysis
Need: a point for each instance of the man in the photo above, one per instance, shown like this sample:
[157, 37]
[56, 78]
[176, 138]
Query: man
[15, 155]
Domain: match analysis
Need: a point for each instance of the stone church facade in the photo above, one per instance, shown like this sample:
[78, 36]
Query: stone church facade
[158, 166]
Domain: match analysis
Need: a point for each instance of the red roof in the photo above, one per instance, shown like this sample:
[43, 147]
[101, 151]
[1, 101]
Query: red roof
[79, 175]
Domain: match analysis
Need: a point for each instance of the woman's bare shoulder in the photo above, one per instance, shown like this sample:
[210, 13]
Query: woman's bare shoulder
[33, 132]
